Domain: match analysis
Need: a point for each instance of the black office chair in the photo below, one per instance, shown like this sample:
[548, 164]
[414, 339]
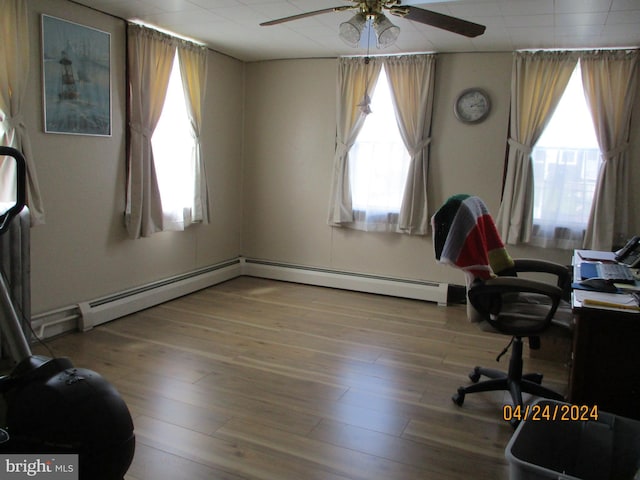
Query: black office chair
[466, 237]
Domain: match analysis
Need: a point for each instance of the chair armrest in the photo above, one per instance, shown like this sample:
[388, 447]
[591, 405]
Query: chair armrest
[520, 285]
[561, 272]
[498, 301]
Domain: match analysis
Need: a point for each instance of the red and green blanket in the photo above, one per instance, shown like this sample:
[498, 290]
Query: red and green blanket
[465, 236]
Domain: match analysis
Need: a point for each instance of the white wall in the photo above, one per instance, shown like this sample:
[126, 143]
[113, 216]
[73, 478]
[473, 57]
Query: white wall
[290, 130]
[82, 252]
[289, 143]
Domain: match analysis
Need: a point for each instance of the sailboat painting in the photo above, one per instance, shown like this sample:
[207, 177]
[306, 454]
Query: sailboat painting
[76, 78]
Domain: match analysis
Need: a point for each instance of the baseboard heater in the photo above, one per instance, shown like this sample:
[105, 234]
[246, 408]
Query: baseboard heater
[361, 282]
[87, 315]
[130, 301]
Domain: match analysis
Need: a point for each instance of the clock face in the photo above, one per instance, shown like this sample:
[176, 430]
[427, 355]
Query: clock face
[472, 106]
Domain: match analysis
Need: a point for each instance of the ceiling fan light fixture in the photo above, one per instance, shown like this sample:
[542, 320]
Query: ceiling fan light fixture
[386, 32]
[351, 30]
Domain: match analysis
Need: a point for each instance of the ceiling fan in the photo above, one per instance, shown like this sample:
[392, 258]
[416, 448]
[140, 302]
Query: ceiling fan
[371, 11]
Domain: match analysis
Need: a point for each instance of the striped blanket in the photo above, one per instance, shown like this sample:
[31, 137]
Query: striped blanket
[464, 236]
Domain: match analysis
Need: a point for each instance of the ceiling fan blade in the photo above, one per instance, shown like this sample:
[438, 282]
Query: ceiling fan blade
[445, 22]
[308, 14]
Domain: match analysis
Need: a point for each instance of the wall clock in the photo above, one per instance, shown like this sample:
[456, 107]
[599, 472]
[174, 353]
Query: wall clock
[472, 105]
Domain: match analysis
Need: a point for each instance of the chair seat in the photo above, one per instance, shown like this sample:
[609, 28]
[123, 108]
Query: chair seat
[535, 309]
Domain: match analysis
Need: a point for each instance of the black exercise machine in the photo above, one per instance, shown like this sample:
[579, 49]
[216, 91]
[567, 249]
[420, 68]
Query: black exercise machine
[48, 405]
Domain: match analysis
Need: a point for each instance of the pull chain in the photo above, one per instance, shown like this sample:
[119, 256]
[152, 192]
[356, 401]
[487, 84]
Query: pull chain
[365, 105]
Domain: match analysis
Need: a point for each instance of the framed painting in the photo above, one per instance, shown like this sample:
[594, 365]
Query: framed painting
[76, 72]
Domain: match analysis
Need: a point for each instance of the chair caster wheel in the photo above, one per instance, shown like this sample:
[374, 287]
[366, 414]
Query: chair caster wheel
[474, 376]
[458, 398]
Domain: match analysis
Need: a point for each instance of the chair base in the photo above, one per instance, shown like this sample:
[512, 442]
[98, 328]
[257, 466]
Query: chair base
[513, 381]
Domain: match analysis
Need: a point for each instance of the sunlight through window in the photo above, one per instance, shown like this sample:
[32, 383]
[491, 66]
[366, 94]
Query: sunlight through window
[379, 161]
[566, 160]
[173, 153]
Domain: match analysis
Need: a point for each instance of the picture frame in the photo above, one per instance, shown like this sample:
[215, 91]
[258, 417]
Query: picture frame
[76, 78]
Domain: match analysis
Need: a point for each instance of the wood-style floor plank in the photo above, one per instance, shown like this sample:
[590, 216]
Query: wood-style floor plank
[262, 380]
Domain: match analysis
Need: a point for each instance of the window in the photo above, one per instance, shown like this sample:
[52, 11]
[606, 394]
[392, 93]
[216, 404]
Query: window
[173, 154]
[378, 163]
[395, 197]
[566, 161]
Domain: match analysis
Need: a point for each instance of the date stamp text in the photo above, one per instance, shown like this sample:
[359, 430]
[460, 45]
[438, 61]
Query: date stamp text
[546, 412]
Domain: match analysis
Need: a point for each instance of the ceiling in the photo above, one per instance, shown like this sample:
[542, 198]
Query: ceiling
[232, 26]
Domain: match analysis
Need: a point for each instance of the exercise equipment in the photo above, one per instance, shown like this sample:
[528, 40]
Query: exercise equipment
[48, 405]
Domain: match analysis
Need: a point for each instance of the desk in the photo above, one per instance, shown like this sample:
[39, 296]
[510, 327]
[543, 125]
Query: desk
[605, 367]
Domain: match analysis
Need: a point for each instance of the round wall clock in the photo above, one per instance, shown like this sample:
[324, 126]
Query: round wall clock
[472, 105]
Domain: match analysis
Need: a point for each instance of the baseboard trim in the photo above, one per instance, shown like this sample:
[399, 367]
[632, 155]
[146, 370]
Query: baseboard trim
[133, 300]
[87, 315]
[361, 282]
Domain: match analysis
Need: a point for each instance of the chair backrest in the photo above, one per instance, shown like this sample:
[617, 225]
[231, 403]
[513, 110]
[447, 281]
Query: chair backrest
[465, 237]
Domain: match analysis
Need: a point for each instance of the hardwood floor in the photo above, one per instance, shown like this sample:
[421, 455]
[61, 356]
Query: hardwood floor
[265, 380]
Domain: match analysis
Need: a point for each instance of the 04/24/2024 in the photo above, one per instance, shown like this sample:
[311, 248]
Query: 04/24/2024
[546, 412]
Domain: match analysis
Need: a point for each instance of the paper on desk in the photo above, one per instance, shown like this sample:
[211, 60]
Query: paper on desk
[596, 255]
[613, 298]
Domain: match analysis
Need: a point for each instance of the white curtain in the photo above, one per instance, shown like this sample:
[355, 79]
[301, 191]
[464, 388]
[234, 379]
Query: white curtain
[193, 71]
[610, 80]
[411, 79]
[538, 80]
[14, 72]
[151, 55]
[355, 77]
